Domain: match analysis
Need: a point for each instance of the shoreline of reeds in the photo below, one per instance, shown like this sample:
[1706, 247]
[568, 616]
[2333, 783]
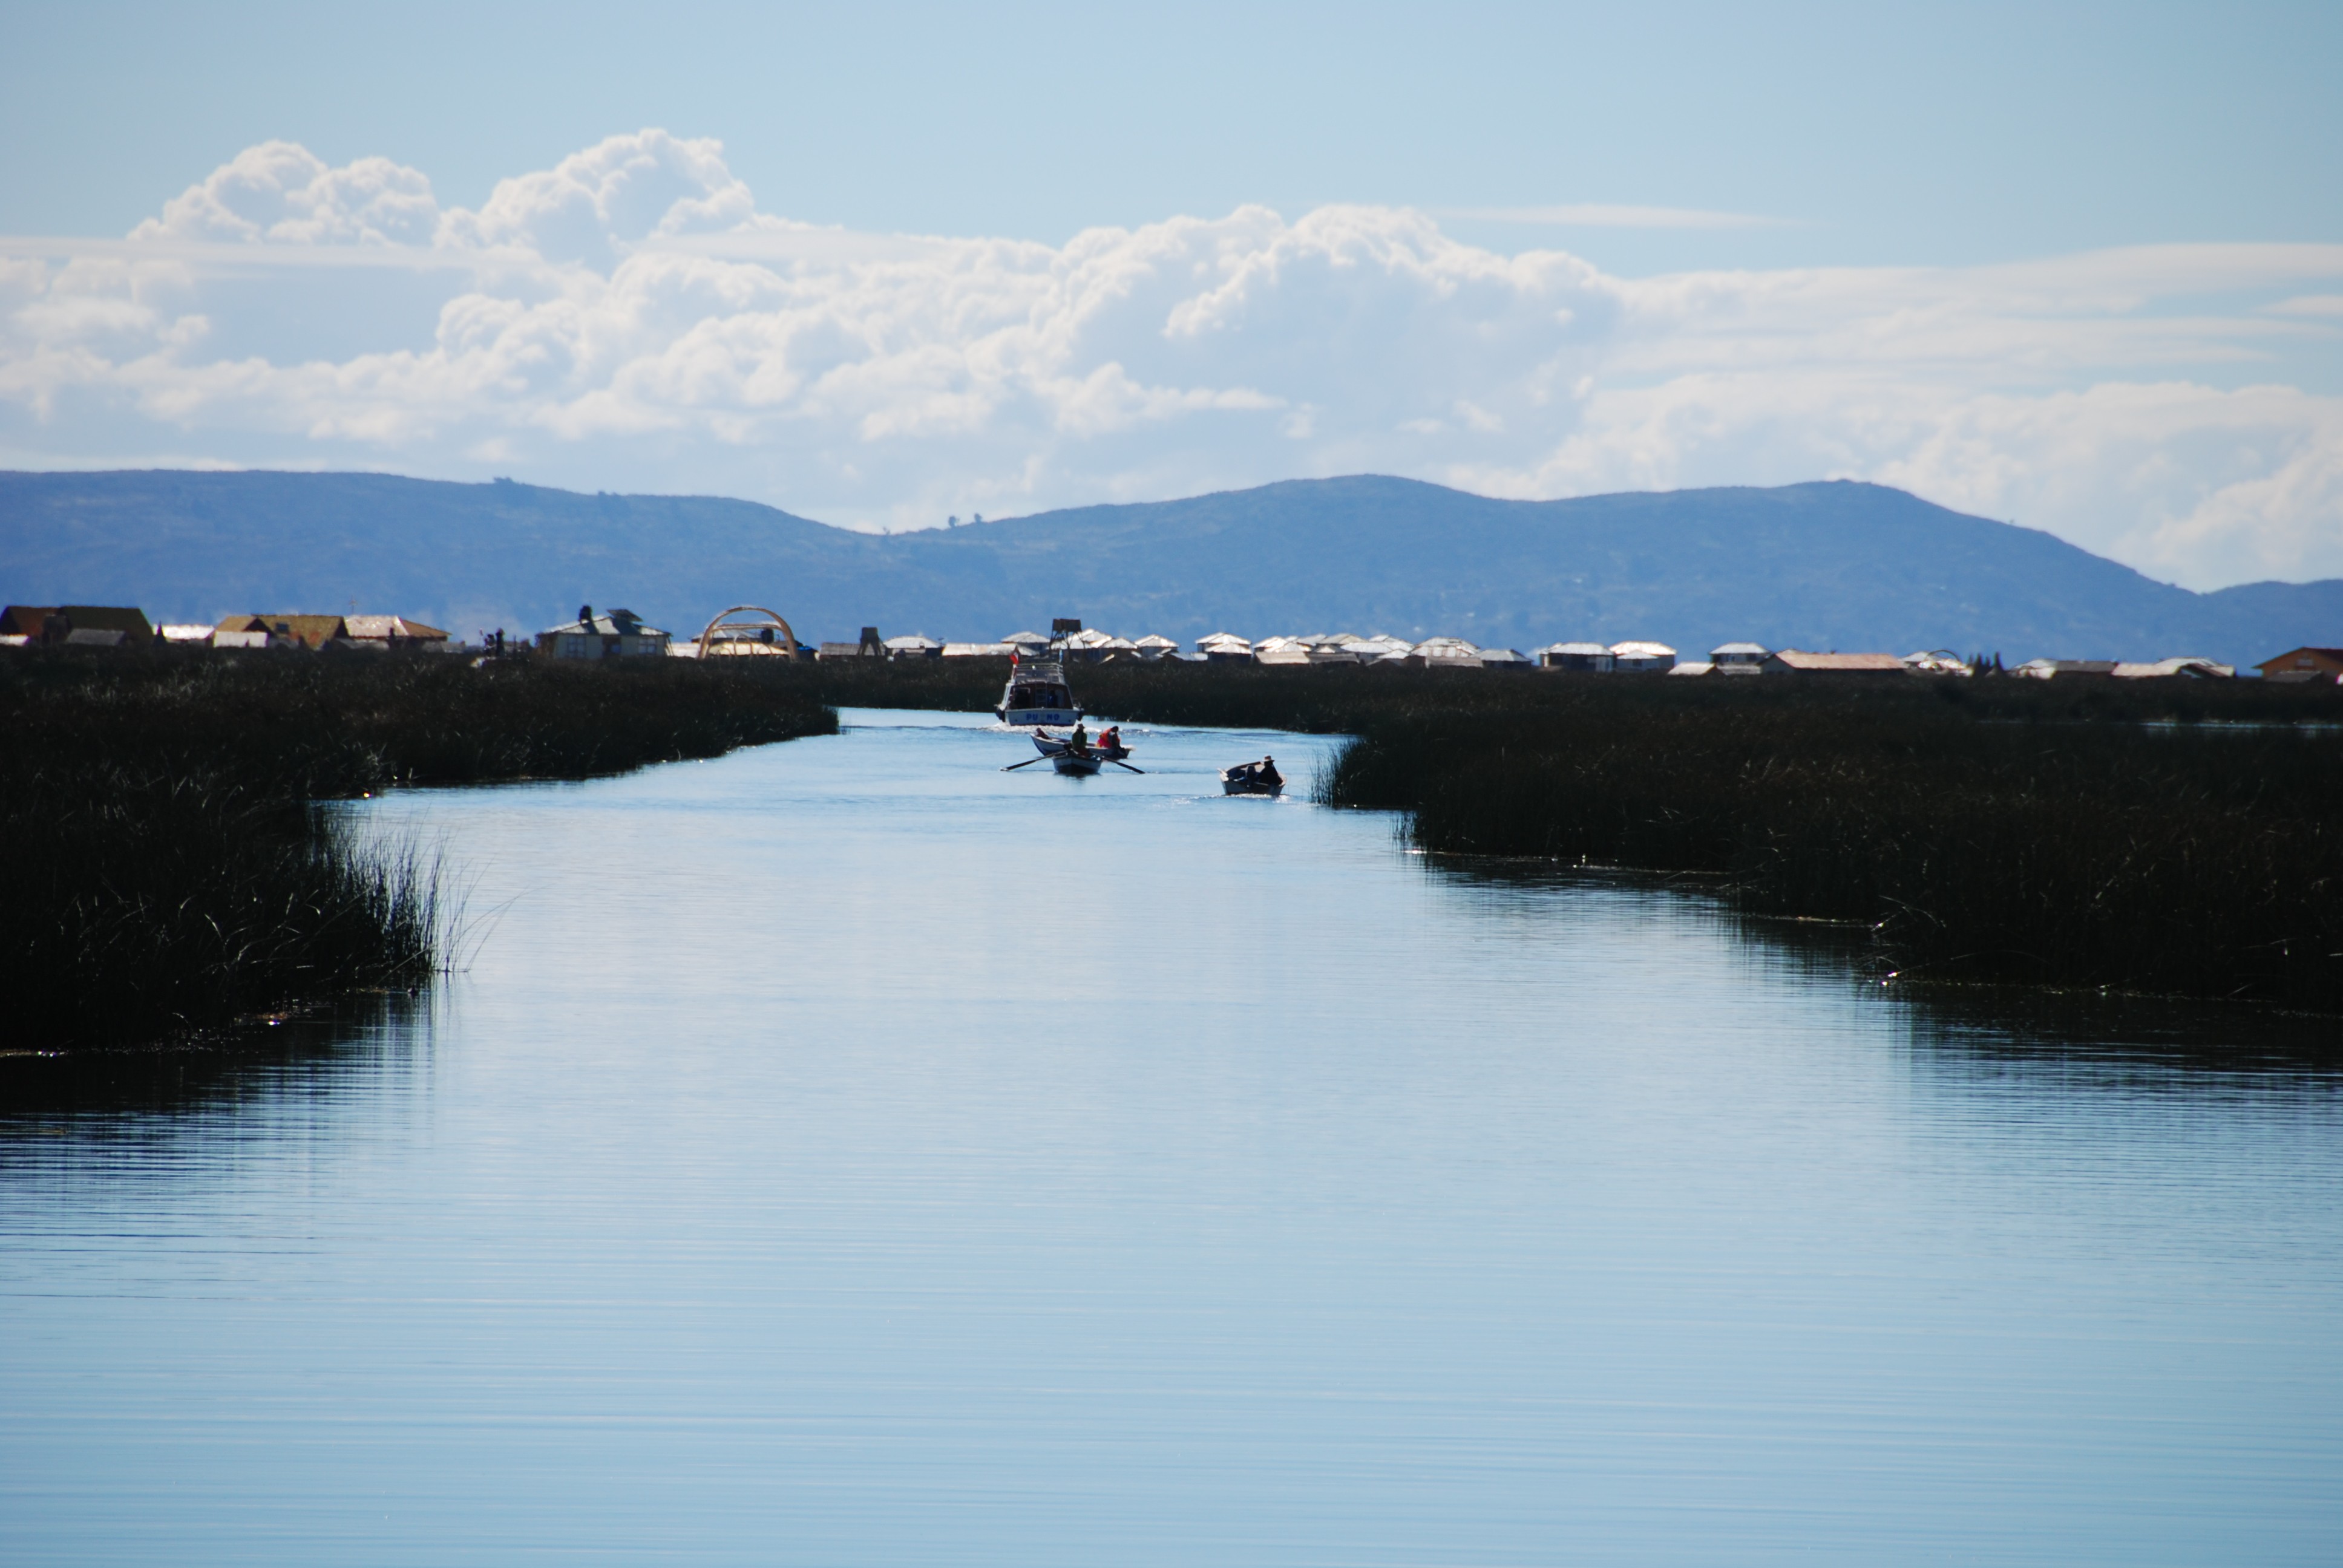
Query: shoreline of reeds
[2164, 838]
[172, 869]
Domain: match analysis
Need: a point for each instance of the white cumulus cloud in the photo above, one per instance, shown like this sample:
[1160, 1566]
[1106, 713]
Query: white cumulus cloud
[281, 192]
[630, 319]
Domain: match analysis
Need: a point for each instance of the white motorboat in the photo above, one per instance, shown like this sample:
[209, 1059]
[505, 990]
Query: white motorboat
[1036, 693]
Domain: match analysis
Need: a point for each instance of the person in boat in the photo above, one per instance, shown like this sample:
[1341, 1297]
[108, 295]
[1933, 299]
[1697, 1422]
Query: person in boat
[1111, 740]
[1265, 773]
[1079, 743]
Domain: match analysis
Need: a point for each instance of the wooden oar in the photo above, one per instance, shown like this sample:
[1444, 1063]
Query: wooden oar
[1027, 763]
[1127, 768]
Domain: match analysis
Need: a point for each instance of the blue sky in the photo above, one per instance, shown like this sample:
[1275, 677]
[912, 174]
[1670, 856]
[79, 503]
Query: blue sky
[1877, 134]
[2076, 264]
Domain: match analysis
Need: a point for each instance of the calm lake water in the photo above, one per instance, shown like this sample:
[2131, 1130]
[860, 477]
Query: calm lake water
[844, 1152]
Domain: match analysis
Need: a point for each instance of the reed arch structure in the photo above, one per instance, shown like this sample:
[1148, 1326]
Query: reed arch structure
[748, 630]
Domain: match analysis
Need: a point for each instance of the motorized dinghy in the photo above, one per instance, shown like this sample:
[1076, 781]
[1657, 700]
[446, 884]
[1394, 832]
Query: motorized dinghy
[1260, 778]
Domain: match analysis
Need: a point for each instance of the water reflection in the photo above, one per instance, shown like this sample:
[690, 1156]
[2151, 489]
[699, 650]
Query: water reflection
[2055, 1033]
[367, 1044]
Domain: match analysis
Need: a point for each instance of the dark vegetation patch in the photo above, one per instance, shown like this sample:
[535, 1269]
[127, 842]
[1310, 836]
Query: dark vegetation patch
[2161, 837]
[169, 869]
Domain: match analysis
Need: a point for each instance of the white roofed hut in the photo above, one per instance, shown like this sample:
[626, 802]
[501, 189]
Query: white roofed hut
[1697, 667]
[915, 645]
[976, 650]
[1028, 644]
[1445, 653]
[1152, 646]
[1642, 657]
[1280, 650]
[1587, 658]
[1333, 648]
[1506, 658]
[617, 634]
[1377, 649]
[1224, 648]
[1086, 647]
[1738, 658]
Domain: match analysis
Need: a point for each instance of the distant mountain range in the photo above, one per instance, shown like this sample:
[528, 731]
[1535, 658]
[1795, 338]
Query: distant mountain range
[1820, 565]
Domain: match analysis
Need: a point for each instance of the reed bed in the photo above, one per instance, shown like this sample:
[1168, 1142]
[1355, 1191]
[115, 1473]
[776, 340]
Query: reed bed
[170, 869]
[2093, 854]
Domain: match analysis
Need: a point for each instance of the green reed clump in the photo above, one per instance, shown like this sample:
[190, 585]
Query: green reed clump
[152, 900]
[2039, 848]
[169, 870]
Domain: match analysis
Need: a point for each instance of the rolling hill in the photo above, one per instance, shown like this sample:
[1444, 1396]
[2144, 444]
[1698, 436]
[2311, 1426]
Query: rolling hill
[1827, 565]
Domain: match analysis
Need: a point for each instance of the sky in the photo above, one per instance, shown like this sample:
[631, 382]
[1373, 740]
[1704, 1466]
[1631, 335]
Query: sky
[2075, 266]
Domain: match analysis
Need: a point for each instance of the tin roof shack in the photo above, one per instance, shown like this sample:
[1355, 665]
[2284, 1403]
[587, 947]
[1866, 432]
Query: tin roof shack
[310, 631]
[1587, 657]
[976, 649]
[393, 632]
[1696, 667]
[1153, 646]
[916, 646]
[188, 635]
[619, 634]
[77, 625]
[1506, 658]
[2324, 664]
[2051, 669]
[1738, 658]
[1794, 661]
[2171, 669]
[1642, 657]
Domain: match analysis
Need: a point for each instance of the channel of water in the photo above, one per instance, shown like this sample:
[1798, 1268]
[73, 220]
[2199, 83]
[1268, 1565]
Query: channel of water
[846, 1152]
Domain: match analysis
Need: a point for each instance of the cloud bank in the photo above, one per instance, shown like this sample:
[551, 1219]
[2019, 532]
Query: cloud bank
[630, 319]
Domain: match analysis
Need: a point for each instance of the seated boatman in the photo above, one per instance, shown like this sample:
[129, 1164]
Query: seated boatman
[1267, 773]
[1079, 743]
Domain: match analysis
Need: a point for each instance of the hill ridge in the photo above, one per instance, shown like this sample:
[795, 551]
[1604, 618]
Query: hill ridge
[1831, 563]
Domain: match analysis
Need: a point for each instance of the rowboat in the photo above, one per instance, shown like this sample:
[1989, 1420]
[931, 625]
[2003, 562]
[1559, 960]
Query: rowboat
[1064, 759]
[1082, 764]
[1246, 779]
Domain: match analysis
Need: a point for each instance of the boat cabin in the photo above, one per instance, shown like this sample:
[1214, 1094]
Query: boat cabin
[1037, 694]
